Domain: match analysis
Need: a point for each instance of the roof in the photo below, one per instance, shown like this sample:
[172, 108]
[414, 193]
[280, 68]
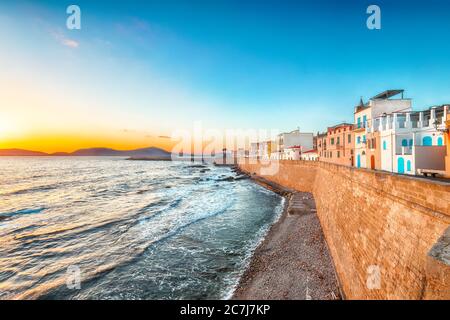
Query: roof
[388, 94]
[310, 151]
[343, 124]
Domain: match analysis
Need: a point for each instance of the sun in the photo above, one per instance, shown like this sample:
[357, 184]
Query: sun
[6, 127]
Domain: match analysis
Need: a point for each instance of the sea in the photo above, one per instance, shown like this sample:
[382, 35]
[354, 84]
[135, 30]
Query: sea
[111, 228]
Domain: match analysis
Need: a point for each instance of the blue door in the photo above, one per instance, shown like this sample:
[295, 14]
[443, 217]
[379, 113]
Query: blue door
[400, 165]
[358, 161]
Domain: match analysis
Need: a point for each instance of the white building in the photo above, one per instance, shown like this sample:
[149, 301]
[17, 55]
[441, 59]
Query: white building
[292, 153]
[364, 113]
[413, 141]
[310, 155]
[254, 150]
[288, 140]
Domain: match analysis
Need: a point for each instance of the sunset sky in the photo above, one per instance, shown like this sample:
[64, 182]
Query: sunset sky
[138, 70]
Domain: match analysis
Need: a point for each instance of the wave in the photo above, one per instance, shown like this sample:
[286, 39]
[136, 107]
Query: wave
[108, 220]
[42, 188]
[260, 236]
[21, 212]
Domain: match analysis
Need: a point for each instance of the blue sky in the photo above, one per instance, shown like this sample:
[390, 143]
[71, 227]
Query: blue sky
[151, 66]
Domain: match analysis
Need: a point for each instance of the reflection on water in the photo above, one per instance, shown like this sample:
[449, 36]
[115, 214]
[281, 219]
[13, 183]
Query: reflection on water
[135, 229]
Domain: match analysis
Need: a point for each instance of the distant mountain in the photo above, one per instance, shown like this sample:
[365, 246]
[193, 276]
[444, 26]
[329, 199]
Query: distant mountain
[60, 154]
[21, 152]
[92, 152]
[149, 152]
[99, 152]
[106, 152]
[144, 152]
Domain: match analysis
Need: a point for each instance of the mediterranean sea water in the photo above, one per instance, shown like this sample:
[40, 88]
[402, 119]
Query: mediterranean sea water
[109, 228]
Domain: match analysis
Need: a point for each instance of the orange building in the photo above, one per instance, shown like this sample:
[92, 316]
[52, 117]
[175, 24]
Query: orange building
[336, 146]
[373, 151]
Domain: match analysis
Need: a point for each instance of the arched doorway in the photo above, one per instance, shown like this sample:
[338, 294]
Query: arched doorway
[400, 165]
[372, 162]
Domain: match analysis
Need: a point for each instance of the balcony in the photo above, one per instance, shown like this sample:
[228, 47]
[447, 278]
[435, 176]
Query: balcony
[404, 151]
[360, 127]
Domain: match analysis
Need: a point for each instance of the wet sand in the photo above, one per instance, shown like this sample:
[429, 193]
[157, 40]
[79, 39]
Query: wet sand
[293, 262]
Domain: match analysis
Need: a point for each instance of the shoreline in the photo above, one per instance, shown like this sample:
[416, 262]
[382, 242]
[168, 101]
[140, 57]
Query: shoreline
[292, 261]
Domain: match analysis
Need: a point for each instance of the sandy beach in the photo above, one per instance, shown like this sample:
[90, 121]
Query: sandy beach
[293, 262]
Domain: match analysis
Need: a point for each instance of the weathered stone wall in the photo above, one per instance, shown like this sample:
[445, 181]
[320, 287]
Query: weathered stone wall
[376, 221]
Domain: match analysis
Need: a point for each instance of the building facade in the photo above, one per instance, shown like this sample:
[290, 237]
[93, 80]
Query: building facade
[336, 146]
[373, 151]
[310, 155]
[254, 150]
[447, 143]
[288, 143]
[265, 149]
[383, 103]
[292, 153]
[411, 142]
[321, 144]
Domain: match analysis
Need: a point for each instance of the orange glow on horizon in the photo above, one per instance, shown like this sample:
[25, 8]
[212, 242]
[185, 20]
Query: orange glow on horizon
[67, 143]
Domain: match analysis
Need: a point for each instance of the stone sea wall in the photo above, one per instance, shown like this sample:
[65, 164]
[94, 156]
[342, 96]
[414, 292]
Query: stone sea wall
[388, 234]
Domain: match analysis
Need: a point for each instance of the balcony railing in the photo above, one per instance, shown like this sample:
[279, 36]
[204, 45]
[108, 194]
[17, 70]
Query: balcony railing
[404, 150]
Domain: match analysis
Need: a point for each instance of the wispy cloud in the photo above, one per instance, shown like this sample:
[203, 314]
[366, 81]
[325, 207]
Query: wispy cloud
[65, 41]
[70, 43]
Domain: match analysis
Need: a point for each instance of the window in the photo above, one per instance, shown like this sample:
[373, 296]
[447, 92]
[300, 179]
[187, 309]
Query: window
[331, 154]
[364, 121]
[408, 165]
[338, 140]
[384, 145]
[439, 141]
[359, 123]
[374, 143]
[358, 140]
[349, 138]
[410, 142]
[332, 141]
[427, 141]
[364, 138]
[338, 154]
[404, 143]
